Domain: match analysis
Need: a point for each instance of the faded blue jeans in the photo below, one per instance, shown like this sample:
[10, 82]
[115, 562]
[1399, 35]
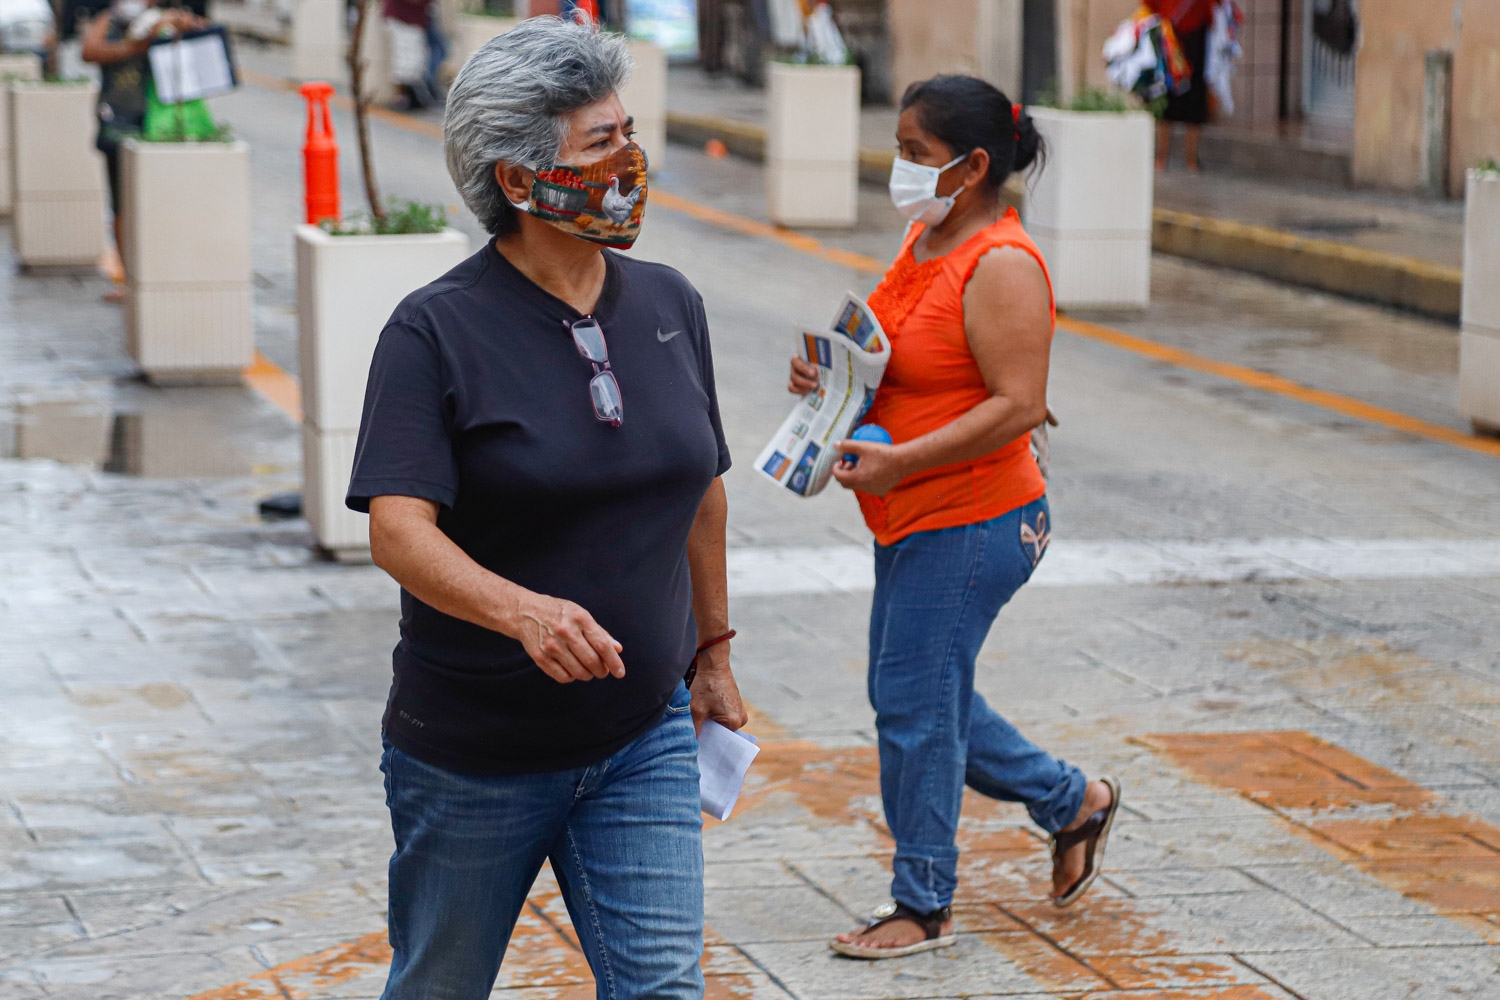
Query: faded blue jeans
[625, 840]
[936, 595]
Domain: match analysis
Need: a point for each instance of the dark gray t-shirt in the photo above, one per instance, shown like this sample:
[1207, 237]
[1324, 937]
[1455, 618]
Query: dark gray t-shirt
[479, 401]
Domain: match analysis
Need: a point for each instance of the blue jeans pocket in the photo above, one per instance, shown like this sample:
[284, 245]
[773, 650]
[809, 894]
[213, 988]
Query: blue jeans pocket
[1035, 531]
[682, 701]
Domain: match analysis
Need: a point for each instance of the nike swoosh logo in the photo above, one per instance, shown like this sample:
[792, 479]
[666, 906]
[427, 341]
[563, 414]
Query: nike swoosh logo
[664, 337]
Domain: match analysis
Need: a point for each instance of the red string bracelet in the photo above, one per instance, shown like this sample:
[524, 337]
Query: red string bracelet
[692, 670]
[717, 639]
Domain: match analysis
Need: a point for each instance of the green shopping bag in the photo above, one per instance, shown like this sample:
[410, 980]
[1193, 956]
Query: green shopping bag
[190, 121]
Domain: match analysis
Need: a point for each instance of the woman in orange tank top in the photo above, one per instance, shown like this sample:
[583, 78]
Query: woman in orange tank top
[958, 508]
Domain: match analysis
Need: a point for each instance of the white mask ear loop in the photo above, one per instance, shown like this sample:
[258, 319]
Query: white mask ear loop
[524, 206]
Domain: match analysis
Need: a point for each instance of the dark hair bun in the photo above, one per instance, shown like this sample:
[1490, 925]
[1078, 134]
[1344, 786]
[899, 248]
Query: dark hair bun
[1029, 144]
[967, 113]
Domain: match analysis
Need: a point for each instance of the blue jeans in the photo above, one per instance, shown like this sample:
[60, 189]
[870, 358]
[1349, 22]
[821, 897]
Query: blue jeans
[625, 840]
[936, 595]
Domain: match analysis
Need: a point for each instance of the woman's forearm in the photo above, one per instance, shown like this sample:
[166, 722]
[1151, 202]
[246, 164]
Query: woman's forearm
[707, 563]
[987, 427]
[426, 562]
[561, 637]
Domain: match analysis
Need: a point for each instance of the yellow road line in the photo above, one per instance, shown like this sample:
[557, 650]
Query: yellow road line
[1261, 381]
[1276, 385]
[276, 384]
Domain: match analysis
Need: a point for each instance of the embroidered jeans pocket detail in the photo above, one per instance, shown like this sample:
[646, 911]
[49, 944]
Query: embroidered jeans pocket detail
[1034, 538]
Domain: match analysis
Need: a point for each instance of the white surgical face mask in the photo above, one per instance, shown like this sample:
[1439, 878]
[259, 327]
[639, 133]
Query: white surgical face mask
[914, 191]
[129, 10]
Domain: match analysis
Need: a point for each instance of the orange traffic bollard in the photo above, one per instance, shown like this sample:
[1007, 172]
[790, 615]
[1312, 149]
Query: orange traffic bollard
[320, 156]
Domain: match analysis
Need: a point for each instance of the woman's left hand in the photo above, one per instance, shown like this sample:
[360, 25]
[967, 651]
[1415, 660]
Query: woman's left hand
[878, 471]
[715, 694]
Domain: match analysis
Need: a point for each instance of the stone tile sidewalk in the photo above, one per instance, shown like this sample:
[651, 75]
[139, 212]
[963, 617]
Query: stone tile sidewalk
[189, 729]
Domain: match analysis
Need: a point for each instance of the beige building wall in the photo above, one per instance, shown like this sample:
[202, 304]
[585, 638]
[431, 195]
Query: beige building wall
[978, 37]
[1088, 24]
[1389, 69]
[1476, 90]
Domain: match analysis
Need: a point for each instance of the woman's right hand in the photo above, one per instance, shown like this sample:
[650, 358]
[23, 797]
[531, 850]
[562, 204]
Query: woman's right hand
[565, 642]
[804, 377]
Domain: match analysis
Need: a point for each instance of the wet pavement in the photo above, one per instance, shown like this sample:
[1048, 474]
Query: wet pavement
[1274, 622]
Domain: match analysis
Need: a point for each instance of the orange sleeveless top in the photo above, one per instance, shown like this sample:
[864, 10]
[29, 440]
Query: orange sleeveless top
[931, 380]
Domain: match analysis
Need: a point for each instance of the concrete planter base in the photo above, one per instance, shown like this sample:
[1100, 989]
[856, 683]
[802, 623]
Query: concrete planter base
[812, 145]
[59, 176]
[186, 227]
[14, 66]
[645, 99]
[1479, 342]
[319, 40]
[1090, 208]
[347, 287]
[375, 53]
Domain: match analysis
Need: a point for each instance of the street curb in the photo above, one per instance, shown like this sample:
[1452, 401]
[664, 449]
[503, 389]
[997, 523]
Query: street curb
[1387, 279]
[748, 141]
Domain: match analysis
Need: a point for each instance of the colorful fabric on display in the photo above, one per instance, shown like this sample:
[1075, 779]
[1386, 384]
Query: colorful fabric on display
[1146, 58]
[1223, 52]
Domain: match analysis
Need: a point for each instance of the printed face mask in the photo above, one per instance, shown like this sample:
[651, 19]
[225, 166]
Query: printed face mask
[914, 191]
[600, 202]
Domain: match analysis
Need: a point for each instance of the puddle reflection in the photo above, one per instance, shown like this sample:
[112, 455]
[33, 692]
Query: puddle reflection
[173, 443]
[140, 430]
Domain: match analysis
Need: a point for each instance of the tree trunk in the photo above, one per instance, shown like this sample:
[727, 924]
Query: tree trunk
[362, 108]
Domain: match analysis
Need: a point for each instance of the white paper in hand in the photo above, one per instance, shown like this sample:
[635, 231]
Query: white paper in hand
[724, 757]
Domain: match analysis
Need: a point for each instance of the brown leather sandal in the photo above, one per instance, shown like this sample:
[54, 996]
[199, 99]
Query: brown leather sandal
[1094, 833]
[931, 924]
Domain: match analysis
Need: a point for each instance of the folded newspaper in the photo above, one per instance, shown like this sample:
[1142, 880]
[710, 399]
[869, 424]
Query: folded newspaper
[851, 355]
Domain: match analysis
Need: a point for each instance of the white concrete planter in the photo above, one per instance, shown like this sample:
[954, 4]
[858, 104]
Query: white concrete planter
[319, 40]
[59, 177]
[375, 51]
[645, 99]
[1090, 208]
[473, 31]
[185, 213]
[812, 144]
[347, 287]
[1479, 341]
[14, 66]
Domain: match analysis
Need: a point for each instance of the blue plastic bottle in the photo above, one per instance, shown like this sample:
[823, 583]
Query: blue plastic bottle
[867, 432]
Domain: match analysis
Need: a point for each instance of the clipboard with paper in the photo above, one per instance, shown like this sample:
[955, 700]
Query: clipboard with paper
[851, 354]
[193, 66]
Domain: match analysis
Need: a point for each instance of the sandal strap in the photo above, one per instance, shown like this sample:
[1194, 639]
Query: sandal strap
[931, 922]
[1065, 840]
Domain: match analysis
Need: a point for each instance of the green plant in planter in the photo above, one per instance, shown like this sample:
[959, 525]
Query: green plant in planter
[1488, 166]
[1093, 100]
[401, 218]
[808, 57]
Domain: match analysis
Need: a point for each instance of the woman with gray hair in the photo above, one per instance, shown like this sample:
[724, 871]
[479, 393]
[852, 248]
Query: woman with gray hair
[541, 456]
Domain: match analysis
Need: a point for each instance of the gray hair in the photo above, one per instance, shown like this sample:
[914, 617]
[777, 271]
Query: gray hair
[509, 101]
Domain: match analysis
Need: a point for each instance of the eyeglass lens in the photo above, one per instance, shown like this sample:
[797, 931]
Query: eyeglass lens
[606, 394]
[589, 339]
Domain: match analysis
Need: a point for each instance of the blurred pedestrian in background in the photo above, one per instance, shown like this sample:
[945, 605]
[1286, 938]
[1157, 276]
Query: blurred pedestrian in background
[406, 26]
[540, 456]
[437, 50]
[1190, 20]
[116, 42]
[958, 507]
